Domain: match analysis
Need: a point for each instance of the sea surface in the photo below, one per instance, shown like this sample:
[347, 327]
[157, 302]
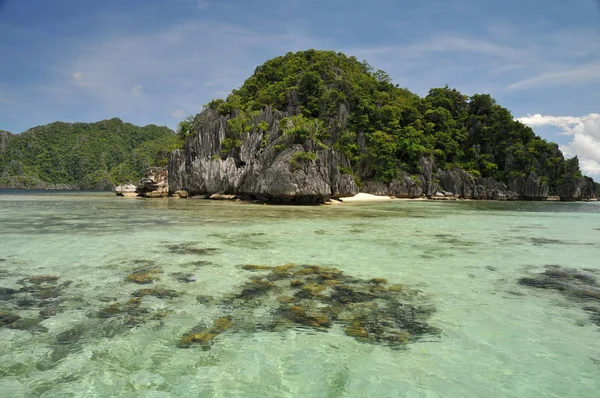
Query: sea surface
[87, 329]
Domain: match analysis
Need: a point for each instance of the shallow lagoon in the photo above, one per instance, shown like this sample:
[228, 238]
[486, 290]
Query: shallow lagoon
[497, 338]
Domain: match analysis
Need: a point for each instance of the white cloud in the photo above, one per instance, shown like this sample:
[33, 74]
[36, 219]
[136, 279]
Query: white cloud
[585, 133]
[77, 75]
[178, 113]
[137, 90]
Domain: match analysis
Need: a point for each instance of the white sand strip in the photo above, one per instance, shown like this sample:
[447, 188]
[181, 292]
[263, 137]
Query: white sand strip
[365, 197]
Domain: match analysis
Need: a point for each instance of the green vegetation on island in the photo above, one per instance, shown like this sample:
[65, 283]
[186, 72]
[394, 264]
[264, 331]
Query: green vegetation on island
[83, 155]
[381, 128]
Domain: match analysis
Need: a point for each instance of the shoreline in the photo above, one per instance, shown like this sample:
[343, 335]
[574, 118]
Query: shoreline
[361, 197]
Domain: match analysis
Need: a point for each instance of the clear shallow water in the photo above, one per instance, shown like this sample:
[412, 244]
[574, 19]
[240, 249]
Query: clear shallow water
[498, 339]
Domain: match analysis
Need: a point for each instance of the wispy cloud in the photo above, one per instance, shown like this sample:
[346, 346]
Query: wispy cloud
[176, 61]
[137, 90]
[585, 137]
[582, 74]
[178, 113]
[202, 4]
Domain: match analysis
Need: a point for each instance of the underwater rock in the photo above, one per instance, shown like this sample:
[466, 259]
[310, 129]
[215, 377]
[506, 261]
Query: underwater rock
[253, 267]
[184, 277]
[156, 292]
[206, 337]
[144, 276]
[48, 312]
[7, 318]
[70, 336]
[36, 292]
[202, 299]
[131, 313]
[6, 293]
[42, 279]
[356, 329]
[579, 286]
[31, 324]
[255, 288]
[109, 311]
[188, 248]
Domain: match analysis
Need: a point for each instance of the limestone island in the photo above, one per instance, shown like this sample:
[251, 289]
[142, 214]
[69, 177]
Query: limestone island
[312, 126]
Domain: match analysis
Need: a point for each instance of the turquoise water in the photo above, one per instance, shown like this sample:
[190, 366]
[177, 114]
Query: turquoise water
[497, 338]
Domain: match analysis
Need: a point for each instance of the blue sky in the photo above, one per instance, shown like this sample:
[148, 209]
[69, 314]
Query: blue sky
[156, 61]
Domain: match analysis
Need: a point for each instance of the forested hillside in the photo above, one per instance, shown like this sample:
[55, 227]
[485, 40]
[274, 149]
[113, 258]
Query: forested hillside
[338, 102]
[82, 155]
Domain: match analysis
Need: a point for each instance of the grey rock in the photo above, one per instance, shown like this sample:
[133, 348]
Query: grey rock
[530, 188]
[121, 190]
[154, 184]
[257, 169]
[583, 188]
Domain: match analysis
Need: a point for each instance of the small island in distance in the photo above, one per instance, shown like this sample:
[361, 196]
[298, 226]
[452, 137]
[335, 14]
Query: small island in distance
[307, 127]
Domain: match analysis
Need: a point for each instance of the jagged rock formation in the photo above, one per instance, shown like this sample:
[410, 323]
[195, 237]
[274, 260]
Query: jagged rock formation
[258, 168]
[154, 184]
[127, 190]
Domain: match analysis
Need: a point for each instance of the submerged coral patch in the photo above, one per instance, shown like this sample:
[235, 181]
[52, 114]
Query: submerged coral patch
[580, 286]
[144, 276]
[205, 336]
[317, 298]
[190, 248]
[130, 313]
[158, 292]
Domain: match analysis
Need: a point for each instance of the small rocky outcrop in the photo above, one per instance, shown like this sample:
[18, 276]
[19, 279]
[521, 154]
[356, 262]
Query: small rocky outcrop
[127, 190]
[155, 184]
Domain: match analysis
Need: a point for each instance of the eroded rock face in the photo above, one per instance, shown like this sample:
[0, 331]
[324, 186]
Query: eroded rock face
[577, 189]
[258, 168]
[155, 184]
[262, 166]
[464, 185]
[126, 190]
[530, 188]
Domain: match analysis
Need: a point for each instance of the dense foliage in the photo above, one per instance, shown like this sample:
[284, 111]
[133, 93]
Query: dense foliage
[383, 129]
[87, 155]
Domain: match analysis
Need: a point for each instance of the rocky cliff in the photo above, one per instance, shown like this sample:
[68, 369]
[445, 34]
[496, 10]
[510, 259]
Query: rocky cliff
[5, 136]
[258, 168]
